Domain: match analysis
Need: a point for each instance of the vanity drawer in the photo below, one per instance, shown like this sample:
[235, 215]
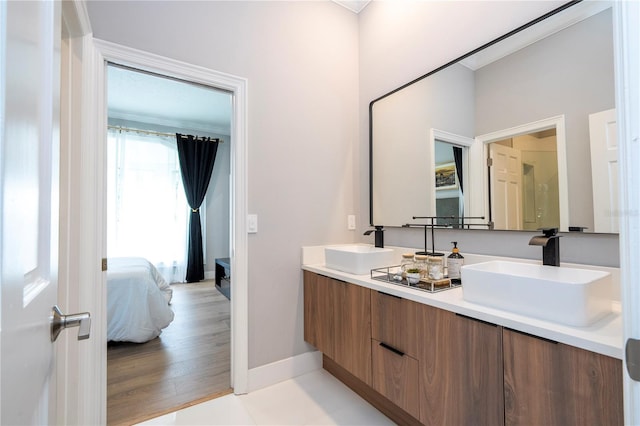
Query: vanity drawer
[394, 322]
[395, 376]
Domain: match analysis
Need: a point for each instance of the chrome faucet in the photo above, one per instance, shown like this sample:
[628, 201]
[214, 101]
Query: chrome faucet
[550, 242]
[379, 236]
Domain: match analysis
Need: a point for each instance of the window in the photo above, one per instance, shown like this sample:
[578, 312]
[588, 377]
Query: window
[148, 214]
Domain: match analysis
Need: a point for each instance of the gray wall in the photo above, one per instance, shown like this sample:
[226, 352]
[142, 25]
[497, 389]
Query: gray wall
[570, 73]
[402, 125]
[400, 42]
[218, 205]
[301, 62]
[313, 68]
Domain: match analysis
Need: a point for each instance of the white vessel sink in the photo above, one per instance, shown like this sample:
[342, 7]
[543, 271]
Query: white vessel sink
[569, 296]
[357, 259]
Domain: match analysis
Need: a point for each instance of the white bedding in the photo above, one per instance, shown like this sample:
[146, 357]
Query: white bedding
[137, 300]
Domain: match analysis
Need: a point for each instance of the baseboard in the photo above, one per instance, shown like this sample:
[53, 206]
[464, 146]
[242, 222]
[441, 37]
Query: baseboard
[209, 275]
[279, 371]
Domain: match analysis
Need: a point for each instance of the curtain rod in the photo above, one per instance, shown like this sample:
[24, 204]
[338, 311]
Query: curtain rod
[149, 132]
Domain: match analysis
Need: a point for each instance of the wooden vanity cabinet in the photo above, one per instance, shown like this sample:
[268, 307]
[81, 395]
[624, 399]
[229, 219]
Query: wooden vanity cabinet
[394, 347]
[421, 364]
[319, 300]
[556, 384]
[395, 376]
[394, 321]
[353, 329]
[337, 321]
[441, 368]
[461, 379]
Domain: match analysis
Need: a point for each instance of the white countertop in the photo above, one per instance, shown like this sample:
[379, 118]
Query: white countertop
[603, 337]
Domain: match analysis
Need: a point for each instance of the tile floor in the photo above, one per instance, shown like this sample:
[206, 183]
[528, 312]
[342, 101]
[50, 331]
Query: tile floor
[315, 398]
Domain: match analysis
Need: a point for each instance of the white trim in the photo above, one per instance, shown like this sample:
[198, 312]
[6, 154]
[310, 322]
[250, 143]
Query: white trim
[87, 362]
[285, 369]
[627, 69]
[81, 399]
[94, 242]
[451, 138]
[479, 153]
[141, 60]
[458, 140]
[84, 400]
[239, 251]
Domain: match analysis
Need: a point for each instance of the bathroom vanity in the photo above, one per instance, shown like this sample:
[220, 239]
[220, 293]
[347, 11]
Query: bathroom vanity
[436, 359]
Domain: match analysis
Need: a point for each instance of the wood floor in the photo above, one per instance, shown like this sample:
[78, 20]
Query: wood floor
[188, 363]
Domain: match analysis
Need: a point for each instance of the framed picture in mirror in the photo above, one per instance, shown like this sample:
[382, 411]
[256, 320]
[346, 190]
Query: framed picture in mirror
[446, 176]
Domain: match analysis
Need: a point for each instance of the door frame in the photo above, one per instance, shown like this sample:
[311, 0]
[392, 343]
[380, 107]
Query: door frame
[92, 176]
[602, 133]
[455, 140]
[479, 153]
[627, 61]
[81, 398]
[111, 52]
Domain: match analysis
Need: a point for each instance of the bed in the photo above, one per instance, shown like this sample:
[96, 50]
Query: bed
[138, 300]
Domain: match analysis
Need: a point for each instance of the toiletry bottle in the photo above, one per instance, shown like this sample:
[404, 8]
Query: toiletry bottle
[454, 263]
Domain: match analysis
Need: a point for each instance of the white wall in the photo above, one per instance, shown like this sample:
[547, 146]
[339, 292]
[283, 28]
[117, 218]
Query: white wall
[301, 62]
[400, 41]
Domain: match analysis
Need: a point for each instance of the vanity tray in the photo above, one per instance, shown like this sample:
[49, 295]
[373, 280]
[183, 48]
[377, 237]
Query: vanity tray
[393, 275]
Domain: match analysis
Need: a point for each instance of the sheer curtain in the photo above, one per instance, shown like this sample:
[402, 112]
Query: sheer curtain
[147, 210]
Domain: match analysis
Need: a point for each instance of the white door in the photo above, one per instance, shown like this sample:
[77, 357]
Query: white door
[29, 139]
[603, 133]
[506, 187]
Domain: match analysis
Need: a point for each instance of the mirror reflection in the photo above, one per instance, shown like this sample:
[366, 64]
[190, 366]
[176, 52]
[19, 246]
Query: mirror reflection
[524, 182]
[449, 183]
[519, 112]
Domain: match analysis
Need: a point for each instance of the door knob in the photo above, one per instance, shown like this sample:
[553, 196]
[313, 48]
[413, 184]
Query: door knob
[632, 358]
[61, 321]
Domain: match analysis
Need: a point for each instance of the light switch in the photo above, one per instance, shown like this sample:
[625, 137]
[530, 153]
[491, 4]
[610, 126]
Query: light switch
[351, 222]
[252, 223]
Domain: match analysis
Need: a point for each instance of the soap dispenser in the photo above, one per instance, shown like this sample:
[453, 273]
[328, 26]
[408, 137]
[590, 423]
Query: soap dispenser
[454, 264]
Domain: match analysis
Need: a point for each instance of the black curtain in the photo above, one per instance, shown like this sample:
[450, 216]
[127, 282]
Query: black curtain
[457, 157]
[197, 156]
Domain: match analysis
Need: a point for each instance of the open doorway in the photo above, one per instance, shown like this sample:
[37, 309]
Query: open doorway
[525, 181]
[147, 218]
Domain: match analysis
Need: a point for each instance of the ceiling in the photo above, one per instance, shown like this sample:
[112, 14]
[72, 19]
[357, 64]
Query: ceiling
[148, 98]
[353, 5]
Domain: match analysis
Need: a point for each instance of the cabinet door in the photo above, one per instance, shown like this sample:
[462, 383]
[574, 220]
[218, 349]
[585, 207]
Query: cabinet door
[394, 322]
[460, 370]
[395, 376]
[555, 384]
[319, 312]
[353, 329]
